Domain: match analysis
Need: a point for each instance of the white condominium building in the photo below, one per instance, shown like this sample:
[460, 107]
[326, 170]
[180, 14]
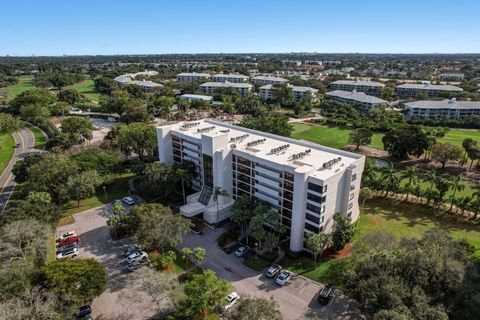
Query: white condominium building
[268, 92]
[146, 85]
[452, 76]
[305, 183]
[268, 80]
[192, 77]
[411, 90]
[448, 108]
[192, 97]
[233, 78]
[360, 100]
[369, 87]
[213, 87]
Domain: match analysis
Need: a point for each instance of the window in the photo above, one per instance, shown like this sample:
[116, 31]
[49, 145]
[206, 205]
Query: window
[354, 177]
[312, 228]
[350, 206]
[349, 214]
[312, 218]
[317, 188]
[287, 204]
[288, 176]
[313, 208]
[315, 198]
[351, 196]
[208, 170]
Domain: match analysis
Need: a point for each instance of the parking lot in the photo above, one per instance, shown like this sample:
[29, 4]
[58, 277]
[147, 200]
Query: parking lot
[95, 242]
[297, 299]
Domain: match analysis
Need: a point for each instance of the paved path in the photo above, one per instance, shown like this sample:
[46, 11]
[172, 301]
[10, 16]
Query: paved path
[24, 137]
[299, 120]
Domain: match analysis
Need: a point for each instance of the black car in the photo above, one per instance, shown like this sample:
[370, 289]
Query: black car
[84, 312]
[326, 294]
[232, 247]
[196, 230]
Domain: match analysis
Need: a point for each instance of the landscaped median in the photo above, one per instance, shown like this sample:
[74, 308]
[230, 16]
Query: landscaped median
[7, 149]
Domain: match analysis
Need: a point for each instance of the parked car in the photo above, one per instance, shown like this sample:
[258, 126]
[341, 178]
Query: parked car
[68, 254]
[67, 247]
[128, 201]
[131, 250]
[242, 251]
[229, 301]
[137, 264]
[66, 235]
[284, 277]
[84, 311]
[137, 255]
[273, 270]
[196, 230]
[326, 294]
[69, 240]
[232, 247]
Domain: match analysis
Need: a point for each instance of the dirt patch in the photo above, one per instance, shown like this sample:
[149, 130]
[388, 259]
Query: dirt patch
[345, 252]
[367, 151]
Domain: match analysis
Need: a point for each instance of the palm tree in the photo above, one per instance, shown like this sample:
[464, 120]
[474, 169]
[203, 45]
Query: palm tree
[431, 177]
[456, 185]
[369, 174]
[184, 177]
[390, 178]
[411, 174]
[463, 203]
[217, 193]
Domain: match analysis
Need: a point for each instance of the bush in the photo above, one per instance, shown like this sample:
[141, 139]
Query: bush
[257, 264]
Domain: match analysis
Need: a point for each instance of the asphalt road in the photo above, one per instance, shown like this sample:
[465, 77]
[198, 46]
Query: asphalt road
[26, 141]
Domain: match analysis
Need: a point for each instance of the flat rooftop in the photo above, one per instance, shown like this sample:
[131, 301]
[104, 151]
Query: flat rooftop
[268, 78]
[356, 96]
[230, 75]
[226, 84]
[186, 74]
[426, 86]
[280, 150]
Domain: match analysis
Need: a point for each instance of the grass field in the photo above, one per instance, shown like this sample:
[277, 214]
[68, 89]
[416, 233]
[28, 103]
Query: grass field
[86, 87]
[25, 83]
[338, 137]
[330, 136]
[117, 189]
[7, 149]
[40, 139]
[397, 217]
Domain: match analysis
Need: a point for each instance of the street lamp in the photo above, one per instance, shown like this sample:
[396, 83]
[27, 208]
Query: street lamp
[105, 192]
[255, 249]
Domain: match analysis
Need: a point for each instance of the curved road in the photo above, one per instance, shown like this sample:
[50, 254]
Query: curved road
[26, 141]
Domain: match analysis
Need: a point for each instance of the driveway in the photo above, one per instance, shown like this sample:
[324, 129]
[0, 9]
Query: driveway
[112, 304]
[296, 300]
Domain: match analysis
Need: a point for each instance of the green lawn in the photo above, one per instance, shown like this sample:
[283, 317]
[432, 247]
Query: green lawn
[456, 136]
[25, 83]
[87, 88]
[117, 189]
[411, 220]
[7, 149]
[399, 218]
[40, 139]
[330, 136]
[336, 137]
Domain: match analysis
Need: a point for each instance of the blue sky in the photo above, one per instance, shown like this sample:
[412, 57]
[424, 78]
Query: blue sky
[57, 27]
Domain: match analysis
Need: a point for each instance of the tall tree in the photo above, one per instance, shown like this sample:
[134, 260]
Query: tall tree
[183, 176]
[256, 308]
[443, 152]
[343, 231]
[139, 138]
[316, 243]
[361, 137]
[411, 175]
[217, 193]
[82, 185]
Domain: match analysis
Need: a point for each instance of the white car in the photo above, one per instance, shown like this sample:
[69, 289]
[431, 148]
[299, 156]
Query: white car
[67, 234]
[68, 254]
[137, 255]
[273, 270]
[128, 201]
[229, 301]
[242, 251]
[284, 277]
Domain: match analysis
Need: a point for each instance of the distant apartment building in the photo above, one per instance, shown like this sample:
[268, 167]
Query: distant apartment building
[267, 92]
[314, 62]
[193, 97]
[233, 78]
[213, 87]
[261, 80]
[360, 100]
[448, 108]
[192, 77]
[451, 76]
[411, 90]
[146, 85]
[369, 87]
[332, 63]
[305, 183]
